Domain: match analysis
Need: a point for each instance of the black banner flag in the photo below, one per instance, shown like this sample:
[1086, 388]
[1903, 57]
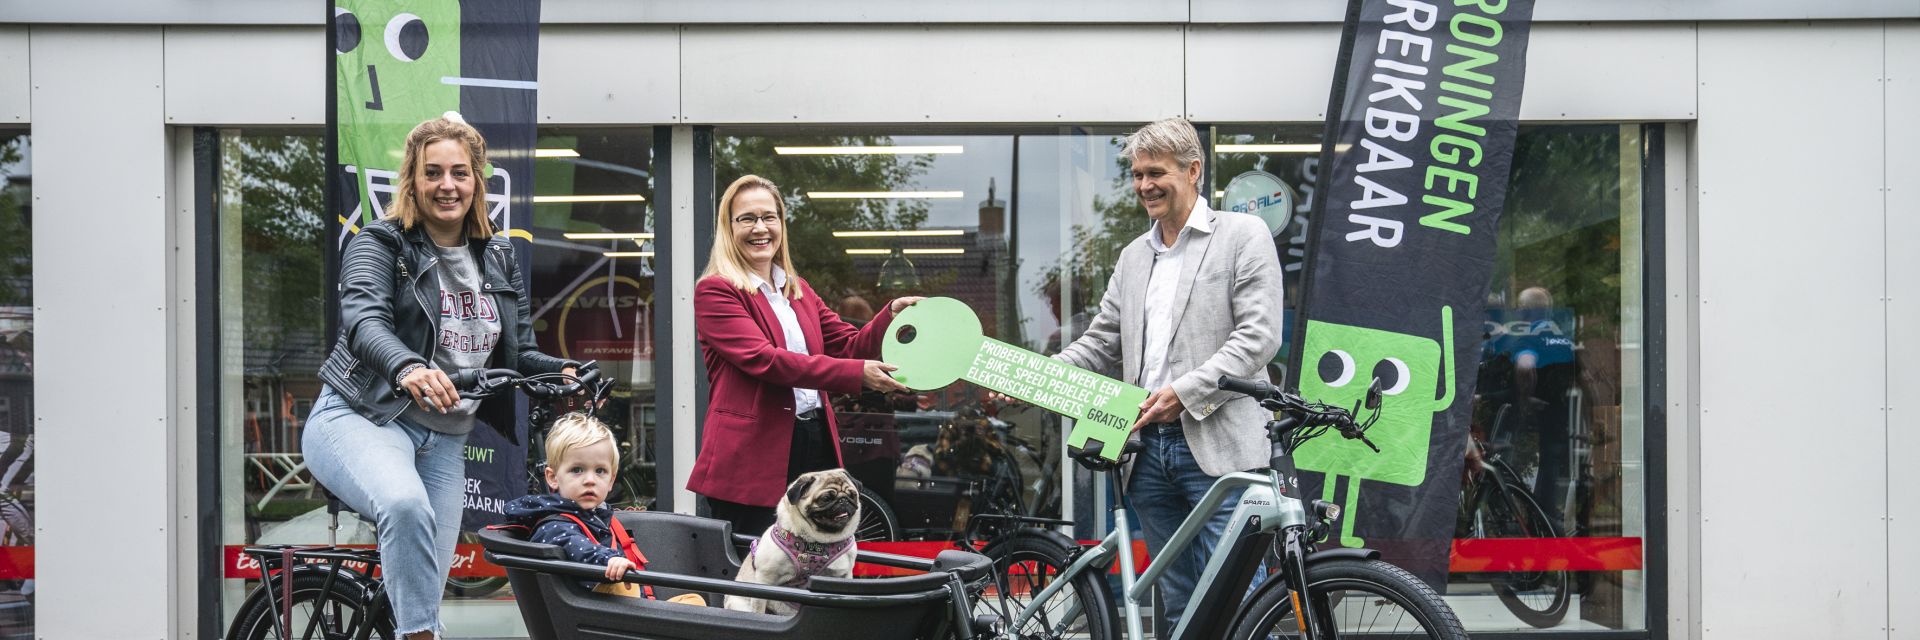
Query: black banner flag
[1420, 134]
[393, 65]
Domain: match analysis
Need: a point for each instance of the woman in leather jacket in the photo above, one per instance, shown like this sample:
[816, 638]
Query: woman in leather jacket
[423, 292]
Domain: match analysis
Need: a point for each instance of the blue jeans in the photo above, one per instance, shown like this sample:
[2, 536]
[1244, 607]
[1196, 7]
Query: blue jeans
[1166, 485]
[411, 481]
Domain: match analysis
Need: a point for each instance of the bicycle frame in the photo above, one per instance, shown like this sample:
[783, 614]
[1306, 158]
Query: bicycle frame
[1260, 510]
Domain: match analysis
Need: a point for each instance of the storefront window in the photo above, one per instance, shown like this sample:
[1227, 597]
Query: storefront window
[1558, 409]
[1026, 229]
[16, 384]
[594, 253]
[592, 296]
[268, 194]
[980, 218]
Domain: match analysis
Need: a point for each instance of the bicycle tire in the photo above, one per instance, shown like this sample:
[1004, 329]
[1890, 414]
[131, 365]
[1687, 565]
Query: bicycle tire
[1359, 592]
[877, 521]
[347, 600]
[1504, 509]
[1026, 563]
[473, 586]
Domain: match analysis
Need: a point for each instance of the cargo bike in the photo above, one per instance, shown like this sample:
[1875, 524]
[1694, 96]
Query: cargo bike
[327, 592]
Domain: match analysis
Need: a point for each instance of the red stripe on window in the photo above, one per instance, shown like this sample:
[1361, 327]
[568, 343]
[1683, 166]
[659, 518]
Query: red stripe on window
[16, 563]
[1469, 555]
[469, 562]
[1473, 555]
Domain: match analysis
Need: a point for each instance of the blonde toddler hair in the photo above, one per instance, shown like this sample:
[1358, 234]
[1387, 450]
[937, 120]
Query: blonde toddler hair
[575, 430]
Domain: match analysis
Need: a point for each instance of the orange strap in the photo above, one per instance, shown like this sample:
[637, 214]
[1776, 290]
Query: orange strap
[621, 541]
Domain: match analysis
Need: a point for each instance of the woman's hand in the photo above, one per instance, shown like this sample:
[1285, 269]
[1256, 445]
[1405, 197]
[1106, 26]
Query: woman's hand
[901, 304]
[874, 376]
[431, 389]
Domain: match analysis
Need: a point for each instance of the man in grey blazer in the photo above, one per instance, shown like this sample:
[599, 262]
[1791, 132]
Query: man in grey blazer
[1196, 297]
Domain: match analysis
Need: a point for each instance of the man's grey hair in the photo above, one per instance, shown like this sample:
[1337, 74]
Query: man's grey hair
[1170, 137]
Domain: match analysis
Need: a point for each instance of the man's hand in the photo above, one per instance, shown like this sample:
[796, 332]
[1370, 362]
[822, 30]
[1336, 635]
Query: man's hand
[617, 568]
[1161, 406]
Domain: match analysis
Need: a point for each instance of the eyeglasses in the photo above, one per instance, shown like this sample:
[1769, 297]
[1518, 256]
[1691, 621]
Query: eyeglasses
[746, 221]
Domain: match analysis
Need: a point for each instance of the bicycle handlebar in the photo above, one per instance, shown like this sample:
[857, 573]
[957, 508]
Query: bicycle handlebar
[1246, 387]
[484, 383]
[1301, 414]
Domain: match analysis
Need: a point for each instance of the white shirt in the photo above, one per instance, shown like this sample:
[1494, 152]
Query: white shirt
[1167, 262]
[804, 400]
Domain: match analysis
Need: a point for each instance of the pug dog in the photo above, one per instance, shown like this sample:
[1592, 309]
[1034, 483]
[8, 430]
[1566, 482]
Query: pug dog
[812, 535]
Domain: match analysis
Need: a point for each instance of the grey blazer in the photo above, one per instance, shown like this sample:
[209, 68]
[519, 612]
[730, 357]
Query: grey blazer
[1226, 321]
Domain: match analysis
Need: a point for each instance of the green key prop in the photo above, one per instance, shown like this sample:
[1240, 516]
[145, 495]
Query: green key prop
[938, 341]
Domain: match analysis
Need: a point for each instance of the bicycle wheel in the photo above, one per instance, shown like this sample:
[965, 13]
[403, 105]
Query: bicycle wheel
[1368, 599]
[318, 614]
[473, 586]
[1025, 565]
[1505, 510]
[877, 522]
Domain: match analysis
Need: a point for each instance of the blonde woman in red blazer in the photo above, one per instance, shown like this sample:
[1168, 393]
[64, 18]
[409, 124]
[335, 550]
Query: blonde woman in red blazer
[773, 351]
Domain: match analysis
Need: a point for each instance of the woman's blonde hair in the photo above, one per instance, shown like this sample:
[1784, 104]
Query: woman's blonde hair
[725, 259]
[406, 204]
[576, 430]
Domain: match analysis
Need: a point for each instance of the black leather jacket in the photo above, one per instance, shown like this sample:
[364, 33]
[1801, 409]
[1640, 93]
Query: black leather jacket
[389, 316]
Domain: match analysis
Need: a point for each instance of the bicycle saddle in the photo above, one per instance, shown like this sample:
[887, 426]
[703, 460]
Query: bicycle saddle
[335, 507]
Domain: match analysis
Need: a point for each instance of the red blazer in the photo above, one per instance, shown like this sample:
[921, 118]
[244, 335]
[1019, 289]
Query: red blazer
[751, 377]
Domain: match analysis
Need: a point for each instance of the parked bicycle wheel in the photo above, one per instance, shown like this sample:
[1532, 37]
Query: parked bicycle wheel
[473, 586]
[1023, 567]
[1505, 510]
[318, 613]
[1368, 598]
[877, 522]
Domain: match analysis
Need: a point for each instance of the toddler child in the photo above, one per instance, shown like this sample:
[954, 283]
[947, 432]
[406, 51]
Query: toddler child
[581, 463]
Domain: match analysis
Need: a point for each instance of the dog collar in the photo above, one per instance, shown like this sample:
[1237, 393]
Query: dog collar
[808, 558]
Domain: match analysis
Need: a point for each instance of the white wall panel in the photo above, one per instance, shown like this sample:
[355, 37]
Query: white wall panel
[1282, 72]
[592, 75]
[297, 12]
[862, 11]
[1264, 73]
[1583, 71]
[164, 12]
[931, 74]
[15, 80]
[1903, 314]
[246, 75]
[1792, 331]
[1246, 11]
[101, 246]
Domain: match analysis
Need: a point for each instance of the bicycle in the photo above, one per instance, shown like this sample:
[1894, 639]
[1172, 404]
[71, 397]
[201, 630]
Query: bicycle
[1345, 591]
[335, 590]
[1497, 503]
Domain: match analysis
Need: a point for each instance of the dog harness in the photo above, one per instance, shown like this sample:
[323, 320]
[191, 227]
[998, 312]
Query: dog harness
[808, 558]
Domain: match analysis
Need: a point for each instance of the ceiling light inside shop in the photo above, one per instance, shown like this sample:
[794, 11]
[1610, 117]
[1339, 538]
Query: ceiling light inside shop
[911, 252]
[608, 235]
[869, 151]
[617, 197]
[627, 254]
[906, 233]
[555, 153]
[867, 195]
[1311, 147]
